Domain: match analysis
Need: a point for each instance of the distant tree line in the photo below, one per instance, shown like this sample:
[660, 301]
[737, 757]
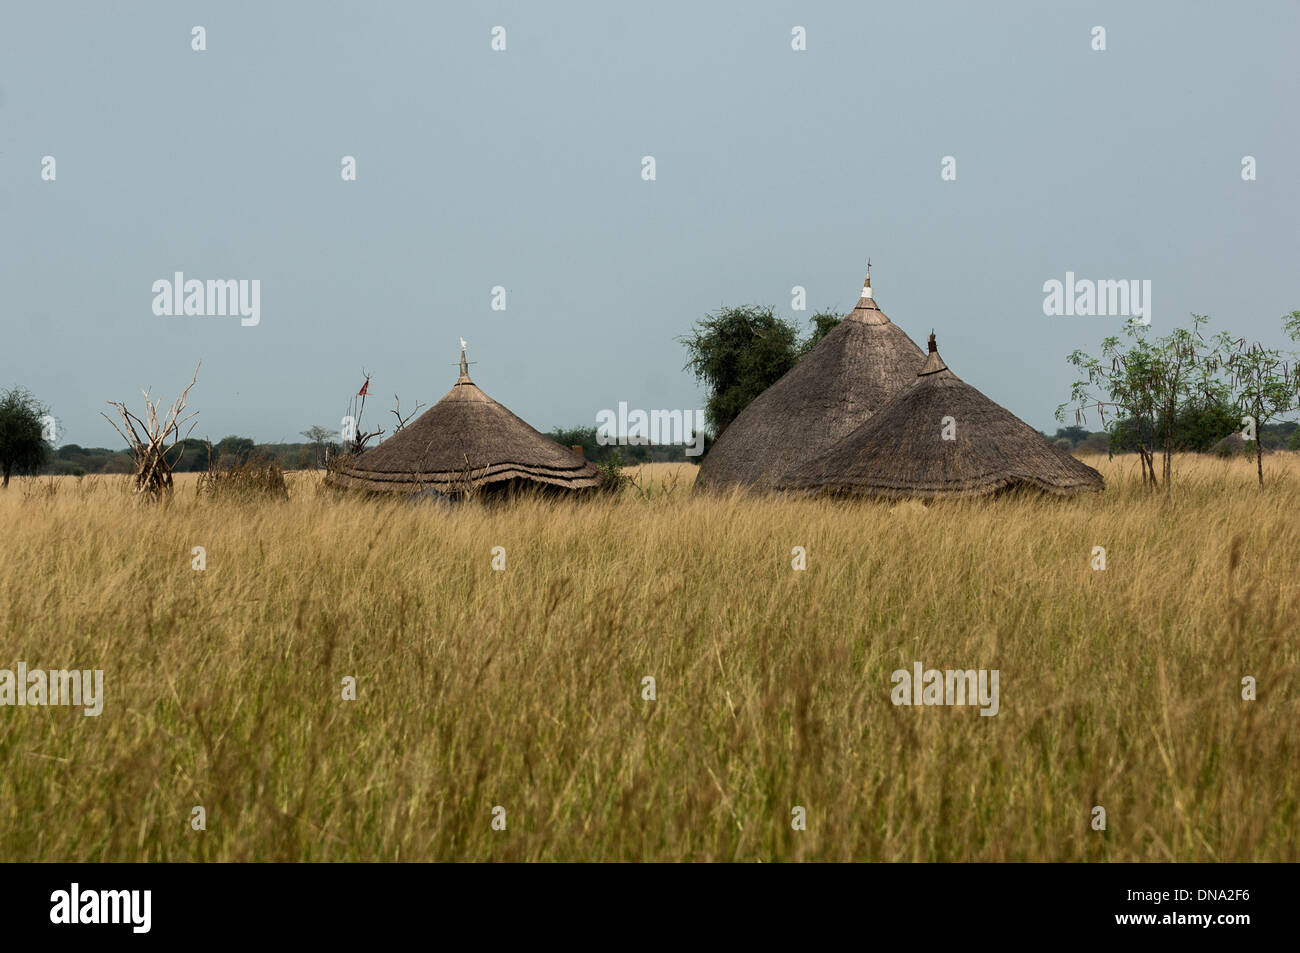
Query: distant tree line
[1199, 435]
[1179, 392]
[191, 455]
[587, 438]
[74, 460]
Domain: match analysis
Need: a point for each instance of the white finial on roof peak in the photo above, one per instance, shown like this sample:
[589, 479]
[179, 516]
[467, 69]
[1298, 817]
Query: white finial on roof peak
[464, 362]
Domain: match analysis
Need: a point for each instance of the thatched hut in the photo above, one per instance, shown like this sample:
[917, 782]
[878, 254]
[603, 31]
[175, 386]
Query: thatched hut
[851, 373]
[463, 444]
[941, 438]
[1235, 444]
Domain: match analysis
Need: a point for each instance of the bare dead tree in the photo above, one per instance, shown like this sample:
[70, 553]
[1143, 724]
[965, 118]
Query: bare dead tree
[151, 438]
[403, 421]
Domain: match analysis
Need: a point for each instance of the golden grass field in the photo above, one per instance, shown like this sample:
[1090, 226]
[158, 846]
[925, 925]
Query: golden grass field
[522, 688]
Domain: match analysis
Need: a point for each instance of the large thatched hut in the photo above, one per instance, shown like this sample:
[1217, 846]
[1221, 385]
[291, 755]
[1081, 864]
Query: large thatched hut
[838, 385]
[941, 438]
[466, 443]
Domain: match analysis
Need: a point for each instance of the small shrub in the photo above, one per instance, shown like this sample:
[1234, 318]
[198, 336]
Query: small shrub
[246, 480]
[609, 473]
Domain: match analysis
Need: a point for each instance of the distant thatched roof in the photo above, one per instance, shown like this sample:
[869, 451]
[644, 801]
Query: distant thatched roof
[900, 452]
[466, 440]
[1235, 443]
[840, 383]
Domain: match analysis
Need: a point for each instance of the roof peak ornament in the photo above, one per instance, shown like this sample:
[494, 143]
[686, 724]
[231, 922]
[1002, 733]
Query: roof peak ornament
[464, 364]
[933, 362]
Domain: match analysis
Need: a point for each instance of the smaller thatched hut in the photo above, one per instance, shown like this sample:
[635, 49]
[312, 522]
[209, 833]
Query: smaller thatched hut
[464, 444]
[1235, 444]
[942, 438]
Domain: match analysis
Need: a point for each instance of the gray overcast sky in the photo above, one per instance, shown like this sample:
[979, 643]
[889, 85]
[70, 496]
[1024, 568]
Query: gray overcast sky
[522, 168]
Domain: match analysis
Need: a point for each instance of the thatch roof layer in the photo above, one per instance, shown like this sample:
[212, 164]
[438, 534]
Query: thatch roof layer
[465, 441]
[901, 451]
[832, 390]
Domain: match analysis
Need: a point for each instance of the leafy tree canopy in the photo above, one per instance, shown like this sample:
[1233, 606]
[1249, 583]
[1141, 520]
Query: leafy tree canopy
[739, 352]
[23, 448]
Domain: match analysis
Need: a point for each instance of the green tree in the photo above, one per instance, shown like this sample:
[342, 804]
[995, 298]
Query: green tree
[1196, 428]
[584, 437]
[739, 352]
[190, 455]
[1291, 325]
[1150, 384]
[1278, 436]
[823, 323]
[1201, 425]
[1075, 435]
[233, 450]
[1264, 387]
[23, 448]
[319, 437]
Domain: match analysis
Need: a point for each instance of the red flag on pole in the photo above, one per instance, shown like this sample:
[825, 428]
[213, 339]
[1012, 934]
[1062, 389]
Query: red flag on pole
[365, 388]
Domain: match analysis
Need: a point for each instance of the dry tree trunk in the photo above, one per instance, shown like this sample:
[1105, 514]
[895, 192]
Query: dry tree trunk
[1148, 467]
[150, 439]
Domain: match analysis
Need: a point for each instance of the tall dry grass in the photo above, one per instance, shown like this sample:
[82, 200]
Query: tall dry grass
[522, 688]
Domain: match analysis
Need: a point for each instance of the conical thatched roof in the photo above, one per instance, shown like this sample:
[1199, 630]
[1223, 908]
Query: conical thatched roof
[901, 451]
[851, 373]
[1235, 443]
[465, 441]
